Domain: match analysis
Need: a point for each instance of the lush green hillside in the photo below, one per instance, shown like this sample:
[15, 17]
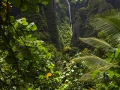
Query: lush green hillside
[59, 45]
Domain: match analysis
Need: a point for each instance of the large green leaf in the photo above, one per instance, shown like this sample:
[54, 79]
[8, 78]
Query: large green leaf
[22, 21]
[31, 26]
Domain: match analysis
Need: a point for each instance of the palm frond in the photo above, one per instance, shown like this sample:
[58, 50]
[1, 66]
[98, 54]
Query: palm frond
[108, 26]
[96, 43]
[113, 16]
[115, 21]
[108, 29]
[88, 76]
[92, 62]
[113, 39]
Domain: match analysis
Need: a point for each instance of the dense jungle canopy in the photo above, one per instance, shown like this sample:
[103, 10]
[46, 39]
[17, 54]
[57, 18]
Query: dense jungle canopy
[59, 44]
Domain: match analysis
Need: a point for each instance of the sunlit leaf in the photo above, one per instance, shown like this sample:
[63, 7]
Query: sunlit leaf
[31, 26]
[110, 74]
[22, 21]
[95, 73]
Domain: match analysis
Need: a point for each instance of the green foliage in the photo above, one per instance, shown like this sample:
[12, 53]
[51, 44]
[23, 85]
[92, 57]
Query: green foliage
[65, 32]
[92, 62]
[111, 77]
[39, 19]
[107, 26]
[30, 5]
[104, 77]
[52, 24]
[27, 63]
[94, 72]
[24, 60]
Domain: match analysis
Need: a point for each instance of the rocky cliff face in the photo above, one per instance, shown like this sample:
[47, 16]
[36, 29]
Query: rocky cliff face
[81, 25]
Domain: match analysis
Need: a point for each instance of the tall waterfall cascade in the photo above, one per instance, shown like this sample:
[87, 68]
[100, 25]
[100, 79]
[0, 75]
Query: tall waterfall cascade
[70, 16]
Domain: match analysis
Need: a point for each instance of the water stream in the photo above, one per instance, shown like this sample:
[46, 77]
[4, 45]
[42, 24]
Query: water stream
[70, 16]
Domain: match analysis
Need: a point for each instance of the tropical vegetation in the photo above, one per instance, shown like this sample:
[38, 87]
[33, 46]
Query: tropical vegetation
[39, 50]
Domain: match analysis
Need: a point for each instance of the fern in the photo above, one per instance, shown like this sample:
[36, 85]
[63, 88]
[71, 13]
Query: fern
[113, 39]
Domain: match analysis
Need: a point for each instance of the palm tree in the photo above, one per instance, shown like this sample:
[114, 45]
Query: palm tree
[107, 28]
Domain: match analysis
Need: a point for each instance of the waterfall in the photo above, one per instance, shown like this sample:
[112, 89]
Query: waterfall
[70, 16]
